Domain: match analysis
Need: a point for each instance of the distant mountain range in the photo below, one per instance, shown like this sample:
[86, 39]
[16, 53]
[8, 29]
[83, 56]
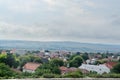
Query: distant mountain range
[65, 45]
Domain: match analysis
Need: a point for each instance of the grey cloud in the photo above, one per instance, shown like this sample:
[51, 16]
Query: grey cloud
[63, 20]
[116, 21]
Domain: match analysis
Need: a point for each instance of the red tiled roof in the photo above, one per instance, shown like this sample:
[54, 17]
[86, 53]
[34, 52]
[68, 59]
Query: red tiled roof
[63, 68]
[84, 71]
[31, 66]
[72, 69]
[110, 64]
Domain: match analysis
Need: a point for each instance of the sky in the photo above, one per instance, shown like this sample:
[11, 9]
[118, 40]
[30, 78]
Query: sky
[91, 21]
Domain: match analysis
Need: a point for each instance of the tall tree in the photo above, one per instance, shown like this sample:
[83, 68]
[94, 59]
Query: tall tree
[10, 60]
[85, 56]
[3, 58]
[76, 61]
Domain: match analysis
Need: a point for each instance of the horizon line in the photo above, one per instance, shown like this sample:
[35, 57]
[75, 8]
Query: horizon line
[99, 43]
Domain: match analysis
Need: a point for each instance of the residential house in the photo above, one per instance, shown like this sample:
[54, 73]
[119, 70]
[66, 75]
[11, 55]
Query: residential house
[4, 52]
[13, 51]
[30, 67]
[72, 69]
[63, 70]
[41, 54]
[100, 69]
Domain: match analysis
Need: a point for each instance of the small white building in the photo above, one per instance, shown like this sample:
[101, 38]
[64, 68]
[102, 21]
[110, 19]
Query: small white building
[92, 61]
[100, 69]
[118, 58]
[30, 67]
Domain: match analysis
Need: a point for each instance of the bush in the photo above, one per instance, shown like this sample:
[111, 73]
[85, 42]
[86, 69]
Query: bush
[76, 74]
[5, 71]
[111, 76]
[49, 76]
[116, 68]
[104, 76]
[73, 75]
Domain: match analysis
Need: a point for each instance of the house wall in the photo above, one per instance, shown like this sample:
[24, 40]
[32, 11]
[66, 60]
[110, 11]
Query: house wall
[30, 71]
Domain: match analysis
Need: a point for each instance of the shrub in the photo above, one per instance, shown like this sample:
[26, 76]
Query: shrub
[48, 75]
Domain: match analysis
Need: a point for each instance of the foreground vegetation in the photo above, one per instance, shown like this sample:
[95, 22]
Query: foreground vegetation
[11, 66]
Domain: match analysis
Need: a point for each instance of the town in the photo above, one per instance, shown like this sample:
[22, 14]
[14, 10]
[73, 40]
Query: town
[58, 64]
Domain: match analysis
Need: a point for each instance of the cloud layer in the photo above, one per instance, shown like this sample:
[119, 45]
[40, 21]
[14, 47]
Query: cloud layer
[60, 20]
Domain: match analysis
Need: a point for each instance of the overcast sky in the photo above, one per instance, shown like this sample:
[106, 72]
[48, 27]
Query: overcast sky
[92, 21]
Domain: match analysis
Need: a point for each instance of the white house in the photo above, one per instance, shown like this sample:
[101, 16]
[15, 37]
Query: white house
[30, 67]
[100, 69]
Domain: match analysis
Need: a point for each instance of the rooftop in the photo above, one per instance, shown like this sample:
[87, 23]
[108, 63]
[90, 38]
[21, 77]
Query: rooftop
[31, 66]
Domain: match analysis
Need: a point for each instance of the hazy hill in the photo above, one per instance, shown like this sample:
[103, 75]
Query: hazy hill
[70, 46]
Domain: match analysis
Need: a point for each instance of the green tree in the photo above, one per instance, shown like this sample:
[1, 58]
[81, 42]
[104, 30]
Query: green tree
[116, 68]
[85, 56]
[37, 60]
[72, 56]
[47, 68]
[3, 58]
[56, 70]
[23, 60]
[57, 62]
[5, 71]
[76, 61]
[10, 60]
[28, 58]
